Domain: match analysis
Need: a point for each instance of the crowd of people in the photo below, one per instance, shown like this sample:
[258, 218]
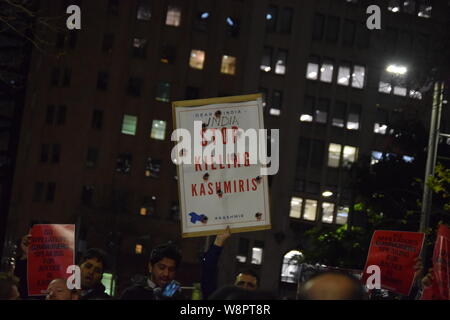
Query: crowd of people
[160, 283]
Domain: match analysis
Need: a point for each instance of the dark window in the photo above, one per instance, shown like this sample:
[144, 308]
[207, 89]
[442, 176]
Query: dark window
[113, 7]
[67, 77]
[97, 119]
[338, 115]
[38, 191]
[55, 76]
[72, 39]
[102, 80]
[56, 151]
[286, 20]
[108, 43]
[60, 40]
[317, 153]
[61, 115]
[168, 54]
[51, 187]
[266, 59]
[332, 34]
[271, 19]
[277, 99]
[174, 211]
[303, 152]
[264, 93]
[50, 114]
[349, 33]
[201, 21]
[243, 250]
[152, 167]
[148, 206]
[91, 159]
[312, 187]
[363, 36]
[144, 10]
[319, 22]
[87, 195]
[308, 108]
[44, 152]
[140, 48]
[135, 86]
[321, 112]
[232, 27]
[123, 163]
[192, 93]
[163, 92]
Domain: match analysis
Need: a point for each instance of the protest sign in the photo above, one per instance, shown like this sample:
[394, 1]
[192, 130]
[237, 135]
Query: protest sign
[394, 253]
[50, 252]
[219, 188]
[440, 288]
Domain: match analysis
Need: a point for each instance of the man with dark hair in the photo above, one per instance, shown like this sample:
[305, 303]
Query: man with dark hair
[332, 285]
[246, 279]
[8, 287]
[92, 265]
[163, 264]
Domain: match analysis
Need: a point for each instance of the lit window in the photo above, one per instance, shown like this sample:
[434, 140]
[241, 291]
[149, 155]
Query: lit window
[380, 128]
[327, 212]
[291, 262]
[408, 159]
[296, 207]
[344, 76]
[326, 72]
[375, 157]
[158, 130]
[241, 259]
[312, 71]
[266, 60]
[342, 214]
[334, 155]
[384, 87]
[109, 283]
[143, 211]
[144, 12]
[138, 249]
[257, 255]
[415, 94]
[228, 65]
[129, 124]
[277, 98]
[400, 91]
[274, 112]
[280, 66]
[394, 5]
[425, 11]
[338, 115]
[353, 121]
[358, 77]
[310, 210]
[306, 118]
[197, 59]
[350, 154]
[173, 17]
[163, 92]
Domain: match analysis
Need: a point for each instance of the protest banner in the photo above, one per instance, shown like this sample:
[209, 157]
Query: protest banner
[440, 288]
[394, 253]
[216, 188]
[51, 251]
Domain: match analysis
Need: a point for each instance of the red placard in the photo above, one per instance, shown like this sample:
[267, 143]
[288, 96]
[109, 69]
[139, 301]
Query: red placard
[394, 252]
[440, 288]
[50, 252]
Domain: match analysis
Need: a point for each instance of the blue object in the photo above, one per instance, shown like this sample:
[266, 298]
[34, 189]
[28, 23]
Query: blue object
[195, 217]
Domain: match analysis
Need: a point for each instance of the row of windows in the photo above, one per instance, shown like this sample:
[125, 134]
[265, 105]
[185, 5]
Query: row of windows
[421, 8]
[348, 75]
[342, 115]
[309, 210]
[328, 28]
[311, 153]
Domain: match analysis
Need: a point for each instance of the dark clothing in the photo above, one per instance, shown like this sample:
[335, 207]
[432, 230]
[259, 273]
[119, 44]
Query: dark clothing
[20, 271]
[210, 261]
[97, 293]
[146, 290]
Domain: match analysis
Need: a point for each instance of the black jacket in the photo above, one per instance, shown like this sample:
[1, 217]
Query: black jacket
[97, 293]
[145, 290]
